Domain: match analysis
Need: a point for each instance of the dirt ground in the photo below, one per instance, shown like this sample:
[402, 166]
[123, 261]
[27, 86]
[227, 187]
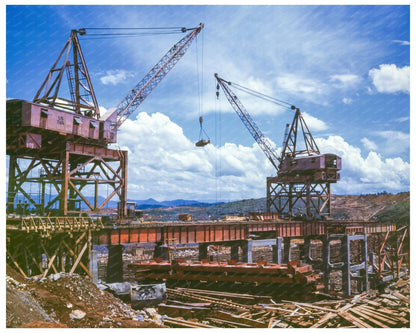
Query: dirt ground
[68, 300]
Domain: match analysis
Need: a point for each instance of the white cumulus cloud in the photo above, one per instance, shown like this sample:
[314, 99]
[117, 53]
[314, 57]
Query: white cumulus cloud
[299, 85]
[115, 76]
[390, 78]
[164, 164]
[344, 80]
[366, 174]
[368, 144]
[314, 124]
[395, 141]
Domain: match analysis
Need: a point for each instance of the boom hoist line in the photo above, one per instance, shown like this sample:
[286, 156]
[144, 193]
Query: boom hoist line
[249, 122]
[139, 93]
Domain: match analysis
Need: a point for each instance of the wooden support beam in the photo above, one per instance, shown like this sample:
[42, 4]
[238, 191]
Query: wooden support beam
[79, 258]
[75, 256]
[38, 264]
[11, 256]
[50, 259]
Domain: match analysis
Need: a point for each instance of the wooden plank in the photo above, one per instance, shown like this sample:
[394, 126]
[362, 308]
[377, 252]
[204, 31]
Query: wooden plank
[392, 315]
[390, 297]
[241, 320]
[185, 323]
[324, 319]
[354, 320]
[401, 297]
[311, 306]
[229, 323]
[369, 318]
[380, 316]
[373, 303]
[275, 309]
[312, 314]
[346, 307]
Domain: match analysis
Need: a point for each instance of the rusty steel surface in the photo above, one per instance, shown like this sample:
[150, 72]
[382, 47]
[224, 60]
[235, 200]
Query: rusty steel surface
[292, 273]
[23, 116]
[209, 231]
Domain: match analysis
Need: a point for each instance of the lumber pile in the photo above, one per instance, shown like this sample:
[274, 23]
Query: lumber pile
[203, 308]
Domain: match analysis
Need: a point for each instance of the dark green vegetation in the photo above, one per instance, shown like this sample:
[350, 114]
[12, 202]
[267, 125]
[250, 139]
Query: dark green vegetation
[399, 213]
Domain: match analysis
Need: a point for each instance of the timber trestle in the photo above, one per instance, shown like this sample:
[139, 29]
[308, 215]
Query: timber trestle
[45, 245]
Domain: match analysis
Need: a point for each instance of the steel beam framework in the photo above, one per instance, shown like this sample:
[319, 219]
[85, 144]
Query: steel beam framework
[283, 196]
[65, 180]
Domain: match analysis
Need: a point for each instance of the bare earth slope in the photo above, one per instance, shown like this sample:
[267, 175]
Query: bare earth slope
[66, 300]
[351, 207]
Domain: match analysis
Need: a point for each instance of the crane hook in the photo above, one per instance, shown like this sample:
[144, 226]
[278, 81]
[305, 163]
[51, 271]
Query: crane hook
[202, 142]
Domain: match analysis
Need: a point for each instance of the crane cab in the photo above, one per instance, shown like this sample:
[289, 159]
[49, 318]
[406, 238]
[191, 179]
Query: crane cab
[323, 167]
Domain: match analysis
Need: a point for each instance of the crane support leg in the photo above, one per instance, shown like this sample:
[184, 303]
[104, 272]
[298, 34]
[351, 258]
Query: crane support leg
[284, 198]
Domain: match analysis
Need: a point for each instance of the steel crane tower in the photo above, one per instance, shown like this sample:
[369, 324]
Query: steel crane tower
[304, 174]
[61, 143]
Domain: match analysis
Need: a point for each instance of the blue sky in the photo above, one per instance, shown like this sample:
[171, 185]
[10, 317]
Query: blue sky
[345, 67]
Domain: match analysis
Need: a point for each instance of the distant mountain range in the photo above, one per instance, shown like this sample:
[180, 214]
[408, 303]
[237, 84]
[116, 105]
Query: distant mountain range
[382, 207]
[140, 204]
[152, 203]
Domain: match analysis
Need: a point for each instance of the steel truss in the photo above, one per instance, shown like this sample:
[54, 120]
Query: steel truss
[282, 197]
[78, 174]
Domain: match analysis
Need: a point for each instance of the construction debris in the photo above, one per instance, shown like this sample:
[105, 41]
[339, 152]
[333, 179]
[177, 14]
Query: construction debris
[216, 309]
[68, 300]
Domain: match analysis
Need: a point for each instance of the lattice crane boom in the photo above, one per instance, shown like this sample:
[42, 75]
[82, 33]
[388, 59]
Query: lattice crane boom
[139, 93]
[249, 122]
